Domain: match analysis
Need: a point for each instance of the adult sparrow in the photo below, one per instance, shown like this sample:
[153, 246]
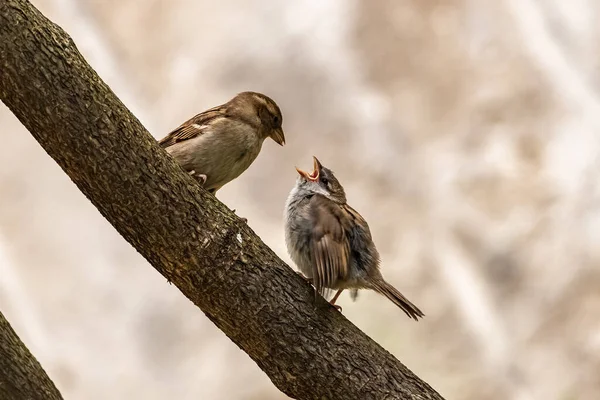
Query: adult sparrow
[331, 242]
[216, 146]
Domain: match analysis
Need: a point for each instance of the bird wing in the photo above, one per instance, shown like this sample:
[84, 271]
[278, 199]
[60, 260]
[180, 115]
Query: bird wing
[356, 222]
[330, 248]
[193, 127]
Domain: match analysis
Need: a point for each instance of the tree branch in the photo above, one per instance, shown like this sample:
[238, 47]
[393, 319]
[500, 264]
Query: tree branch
[309, 350]
[21, 375]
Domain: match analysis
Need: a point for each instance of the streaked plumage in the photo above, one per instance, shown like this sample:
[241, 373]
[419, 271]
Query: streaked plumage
[331, 243]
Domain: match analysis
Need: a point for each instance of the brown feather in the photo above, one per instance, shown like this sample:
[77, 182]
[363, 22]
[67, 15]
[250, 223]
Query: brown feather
[330, 244]
[194, 126]
[384, 288]
[356, 218]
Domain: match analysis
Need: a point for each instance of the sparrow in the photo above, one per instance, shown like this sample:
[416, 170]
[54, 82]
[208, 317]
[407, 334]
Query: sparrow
[331, 243]
[217, 145]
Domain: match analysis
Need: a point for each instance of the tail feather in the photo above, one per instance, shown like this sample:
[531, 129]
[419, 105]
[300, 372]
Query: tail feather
[384, 288]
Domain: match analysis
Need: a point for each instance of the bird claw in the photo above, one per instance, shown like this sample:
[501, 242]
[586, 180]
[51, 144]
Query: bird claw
[201, 178]
[309, 280]
[339, 308]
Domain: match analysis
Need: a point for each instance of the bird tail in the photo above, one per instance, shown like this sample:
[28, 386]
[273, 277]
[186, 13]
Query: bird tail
[384, 288]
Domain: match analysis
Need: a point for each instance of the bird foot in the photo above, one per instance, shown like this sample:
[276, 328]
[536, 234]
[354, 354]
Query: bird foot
[332, 301]
[309, 280]
[201, 178]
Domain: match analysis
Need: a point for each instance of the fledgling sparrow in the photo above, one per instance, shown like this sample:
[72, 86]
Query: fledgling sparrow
[331, 243]
[216, 146]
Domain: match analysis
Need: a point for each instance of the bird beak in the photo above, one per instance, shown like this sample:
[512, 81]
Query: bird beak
[316, 166]
[303, 174]
[314, 176]
[278, 136]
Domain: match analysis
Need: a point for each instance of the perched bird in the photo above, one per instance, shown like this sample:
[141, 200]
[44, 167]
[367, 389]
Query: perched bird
[216, 146]
[331, 243]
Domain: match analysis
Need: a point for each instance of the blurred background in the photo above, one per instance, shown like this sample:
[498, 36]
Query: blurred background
[464, 131]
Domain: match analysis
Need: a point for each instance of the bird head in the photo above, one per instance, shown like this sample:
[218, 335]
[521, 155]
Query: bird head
[321, 181]
[262, 112]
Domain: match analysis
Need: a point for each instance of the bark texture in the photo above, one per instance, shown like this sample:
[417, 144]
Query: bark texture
[307, 348]
[21, 375]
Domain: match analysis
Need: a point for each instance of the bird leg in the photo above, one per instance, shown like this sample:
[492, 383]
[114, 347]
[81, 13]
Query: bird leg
[332, 301]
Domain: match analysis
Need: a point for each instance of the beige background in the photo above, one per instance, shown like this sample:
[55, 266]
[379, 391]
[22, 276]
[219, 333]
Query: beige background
[465, 132]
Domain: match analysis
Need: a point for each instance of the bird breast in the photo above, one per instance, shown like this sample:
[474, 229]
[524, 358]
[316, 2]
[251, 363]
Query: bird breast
[298, 231]
[222, 153]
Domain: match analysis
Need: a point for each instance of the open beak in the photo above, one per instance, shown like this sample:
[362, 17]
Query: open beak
[278, 136]
[314, 176]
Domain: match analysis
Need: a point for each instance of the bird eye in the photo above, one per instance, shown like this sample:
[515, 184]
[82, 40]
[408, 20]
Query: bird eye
[275, 119]
[324, 181]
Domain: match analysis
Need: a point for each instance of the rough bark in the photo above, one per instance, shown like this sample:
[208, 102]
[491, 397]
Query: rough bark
[308, 349]
[21, 375]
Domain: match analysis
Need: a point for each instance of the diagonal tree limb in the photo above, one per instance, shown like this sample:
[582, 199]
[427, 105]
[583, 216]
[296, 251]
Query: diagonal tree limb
[21, 375]
[309, 350]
